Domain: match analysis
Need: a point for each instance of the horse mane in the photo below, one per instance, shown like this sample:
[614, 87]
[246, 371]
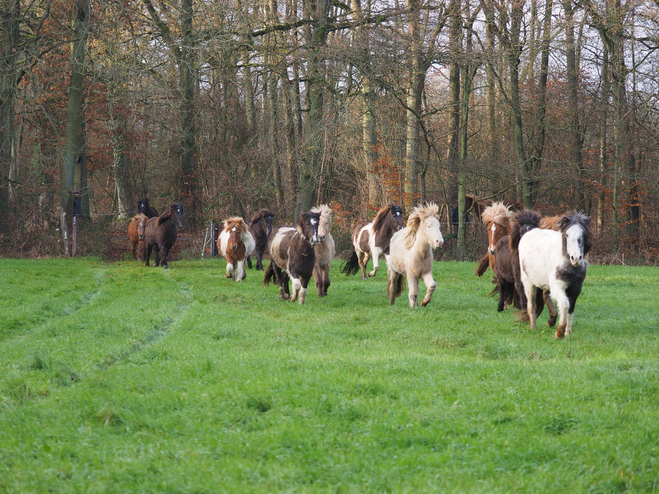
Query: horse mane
[576, 218]
[523, 222]
[382, 215]
[138, 217]
[261, 215]
[418, 216]
[551, 222]
[497, 213]
[165, 215]
[325, 213]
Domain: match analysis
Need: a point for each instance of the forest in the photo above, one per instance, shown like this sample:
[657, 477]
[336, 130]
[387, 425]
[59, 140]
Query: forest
[228, 107]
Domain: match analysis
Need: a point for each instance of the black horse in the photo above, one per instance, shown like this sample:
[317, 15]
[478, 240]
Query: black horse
[144, 208]
[160, 233]
[261, 228]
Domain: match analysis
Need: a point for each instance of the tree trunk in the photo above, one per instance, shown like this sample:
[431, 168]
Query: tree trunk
[604, 113]
[74, 161]
[413, 113]
[455, 47]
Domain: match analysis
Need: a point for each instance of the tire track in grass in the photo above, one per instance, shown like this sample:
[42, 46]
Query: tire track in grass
[158, 332]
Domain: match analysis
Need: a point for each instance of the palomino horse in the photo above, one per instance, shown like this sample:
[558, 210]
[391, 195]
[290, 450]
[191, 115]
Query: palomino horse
[143, 207]
[160, 233]
[293, 256]
[411, 254]
[235, 243]
[372, 240]
[136, 235]
[325, 249]
[498, 218]
[261, 228]
[554, 260]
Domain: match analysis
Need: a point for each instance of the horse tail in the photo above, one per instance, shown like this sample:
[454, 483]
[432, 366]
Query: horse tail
[523, 314]
[351, 264]
[395, 288]
[483, 265]
[269, 274]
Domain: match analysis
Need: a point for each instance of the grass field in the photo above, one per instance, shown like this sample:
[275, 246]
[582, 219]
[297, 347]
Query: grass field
[119, 378]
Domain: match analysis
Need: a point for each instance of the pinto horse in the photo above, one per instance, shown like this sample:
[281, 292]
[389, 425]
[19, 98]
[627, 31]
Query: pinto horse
[372, 240]
[554, 261]
[160, 233]
[143, 207]
[411, 254]
[325, 249]
[136, 235]
[261, 228]
[235, 243]
[293, 256]
[498, 218]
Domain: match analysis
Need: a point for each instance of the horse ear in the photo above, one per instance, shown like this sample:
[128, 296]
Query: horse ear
[587, 220]
[564, 221]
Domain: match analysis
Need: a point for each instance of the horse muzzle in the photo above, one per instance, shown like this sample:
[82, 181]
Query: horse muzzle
[321, 239]
[314, 241]
[575, 261]
[181, 224]
[438, 243]
[234, 247]
[140, 236]
[490, 251]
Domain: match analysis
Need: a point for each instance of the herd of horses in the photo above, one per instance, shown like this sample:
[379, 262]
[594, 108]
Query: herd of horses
[534, 259]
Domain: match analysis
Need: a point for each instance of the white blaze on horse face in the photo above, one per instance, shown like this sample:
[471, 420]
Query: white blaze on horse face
[492, 231]
[574, 244]
[434, 233]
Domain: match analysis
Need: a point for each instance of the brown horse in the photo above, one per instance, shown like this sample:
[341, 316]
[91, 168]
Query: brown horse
[160, 233]
[143, 207]
[372, 240]
[261, 228]
[325, 249]
[235, 243]
[498, 218]
[293, 256]
[136, 235]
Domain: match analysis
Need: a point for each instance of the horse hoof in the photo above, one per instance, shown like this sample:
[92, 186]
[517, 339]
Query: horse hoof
[552, 322]
[560, 332]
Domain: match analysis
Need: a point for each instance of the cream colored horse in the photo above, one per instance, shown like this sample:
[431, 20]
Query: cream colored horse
[325, 249]
[411, 254]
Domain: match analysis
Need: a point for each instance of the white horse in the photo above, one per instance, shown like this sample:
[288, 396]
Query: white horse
[325, 249]
[411, 254]
[554, 260]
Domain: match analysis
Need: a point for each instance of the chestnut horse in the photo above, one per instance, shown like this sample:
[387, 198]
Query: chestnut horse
[143, 207]
[261, 228]
[235, 243]
[160, 233]
[498, 218]
[293, 256]
[136, 235]
[325, 249]
[555, 261]
[411, 254]
[372, 240]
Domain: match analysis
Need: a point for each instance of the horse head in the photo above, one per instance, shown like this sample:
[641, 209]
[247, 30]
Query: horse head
[576, 234]
[307, 226]
[141, 225]
[325, 222]
[423, 224]
[497, 217]
[523, 222]
[236, 227]
[143, 206]
[390, 216]
[174, 211]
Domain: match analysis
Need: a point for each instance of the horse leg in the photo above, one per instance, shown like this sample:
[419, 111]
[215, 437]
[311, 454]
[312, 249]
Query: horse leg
[572, 294]
[134, 249]
[362, 259]
[563, 303]
[147, 254]
[413, 289]
[304, 280]
[240, 270]
[503, 295]
[326, 279]
[551, 308]
[230, 268]
[259, 260]
[376, 264]
[393, 283]
[430, 287]
[529, 291]
[318, 277]
[156, 248]
[249, 262]
[297, 288]
[164, 251]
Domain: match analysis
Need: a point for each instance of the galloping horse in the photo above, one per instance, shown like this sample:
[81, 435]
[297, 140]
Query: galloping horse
[325, 249]
[498, 218]
[136, 235]
[143, 207]
[372, 239]
[235, 243]
[160, 233]
[261, 228]
[554, 261]
[293, 256]
[411, 254]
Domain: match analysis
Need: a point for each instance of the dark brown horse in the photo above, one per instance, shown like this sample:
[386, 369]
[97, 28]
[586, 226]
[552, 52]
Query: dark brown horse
[293, 256]
[143, 207]
[372, 240]
[136, 235]
[261, 228]
[160, 233]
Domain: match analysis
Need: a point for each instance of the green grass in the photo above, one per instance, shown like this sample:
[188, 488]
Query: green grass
[120, 378]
